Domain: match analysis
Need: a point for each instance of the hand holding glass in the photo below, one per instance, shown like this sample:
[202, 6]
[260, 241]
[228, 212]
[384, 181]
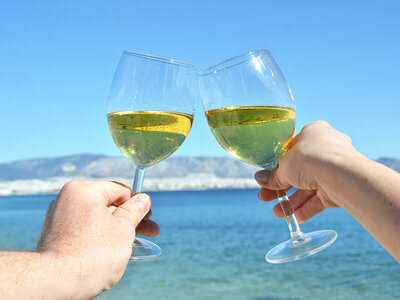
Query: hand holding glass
[251, 112]
[150, 113]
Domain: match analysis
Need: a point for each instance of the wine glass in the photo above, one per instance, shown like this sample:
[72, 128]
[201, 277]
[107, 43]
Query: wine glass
[150, 113]
[251, 111]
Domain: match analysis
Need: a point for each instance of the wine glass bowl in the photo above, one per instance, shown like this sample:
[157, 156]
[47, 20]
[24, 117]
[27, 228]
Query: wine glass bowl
[249, 107]
[148, 137]
[257, 135]
[150, 113]
[251, 112]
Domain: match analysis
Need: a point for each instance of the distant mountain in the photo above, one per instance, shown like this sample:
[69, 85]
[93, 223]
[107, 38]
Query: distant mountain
[47, 167]
[390, 162]
[102, 166]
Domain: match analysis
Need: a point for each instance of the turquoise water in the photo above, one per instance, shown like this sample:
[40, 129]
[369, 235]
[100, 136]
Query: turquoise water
[214, 244]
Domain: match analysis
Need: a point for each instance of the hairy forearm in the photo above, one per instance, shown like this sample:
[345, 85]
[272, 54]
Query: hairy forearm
[370, 192]
[33, 275]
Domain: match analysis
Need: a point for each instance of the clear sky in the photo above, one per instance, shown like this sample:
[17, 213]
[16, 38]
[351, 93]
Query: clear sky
[57, 60]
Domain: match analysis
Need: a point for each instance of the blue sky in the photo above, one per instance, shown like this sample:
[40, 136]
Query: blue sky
[57, 60]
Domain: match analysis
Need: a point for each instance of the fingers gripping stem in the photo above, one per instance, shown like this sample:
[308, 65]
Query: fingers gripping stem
[294, 228]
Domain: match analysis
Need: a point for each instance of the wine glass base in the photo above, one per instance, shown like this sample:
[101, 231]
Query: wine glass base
[310, 244]
[143, 250]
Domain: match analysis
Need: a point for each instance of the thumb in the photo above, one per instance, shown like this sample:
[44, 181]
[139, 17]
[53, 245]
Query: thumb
[134, 208]
[272, 179]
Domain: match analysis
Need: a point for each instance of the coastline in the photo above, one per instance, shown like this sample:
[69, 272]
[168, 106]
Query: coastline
[53, 185]
[48, 175]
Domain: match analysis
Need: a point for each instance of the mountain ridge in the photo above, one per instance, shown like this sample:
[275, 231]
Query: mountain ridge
[48, 175]
[99, 166]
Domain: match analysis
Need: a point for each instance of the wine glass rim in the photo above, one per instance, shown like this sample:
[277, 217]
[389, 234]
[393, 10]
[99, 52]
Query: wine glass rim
[233, 61]
[160, 59]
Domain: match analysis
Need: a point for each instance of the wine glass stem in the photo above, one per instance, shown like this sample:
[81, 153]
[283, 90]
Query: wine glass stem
[138, 181]
[295, 232]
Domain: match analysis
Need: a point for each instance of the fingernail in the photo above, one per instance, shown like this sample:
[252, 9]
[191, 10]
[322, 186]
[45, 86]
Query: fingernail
[262, 176]
[143, 203]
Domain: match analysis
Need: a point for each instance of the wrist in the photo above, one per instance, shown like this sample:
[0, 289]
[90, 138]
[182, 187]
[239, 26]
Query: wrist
[37, 275]
[66, 277]
[337, 173]
[58, 275]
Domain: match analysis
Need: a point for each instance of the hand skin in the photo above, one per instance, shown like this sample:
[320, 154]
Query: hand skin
[85, 244]
[329, 172]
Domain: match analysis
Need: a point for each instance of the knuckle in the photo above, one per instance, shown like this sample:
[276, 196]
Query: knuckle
[70, 185]
[316, 124]
[347, 137]
[321, 123]
[75, 185]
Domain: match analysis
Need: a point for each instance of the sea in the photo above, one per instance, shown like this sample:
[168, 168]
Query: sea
[214, 243]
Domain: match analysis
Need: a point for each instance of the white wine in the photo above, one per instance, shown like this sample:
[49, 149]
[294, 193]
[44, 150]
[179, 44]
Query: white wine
[258, 135]
[148, 137]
